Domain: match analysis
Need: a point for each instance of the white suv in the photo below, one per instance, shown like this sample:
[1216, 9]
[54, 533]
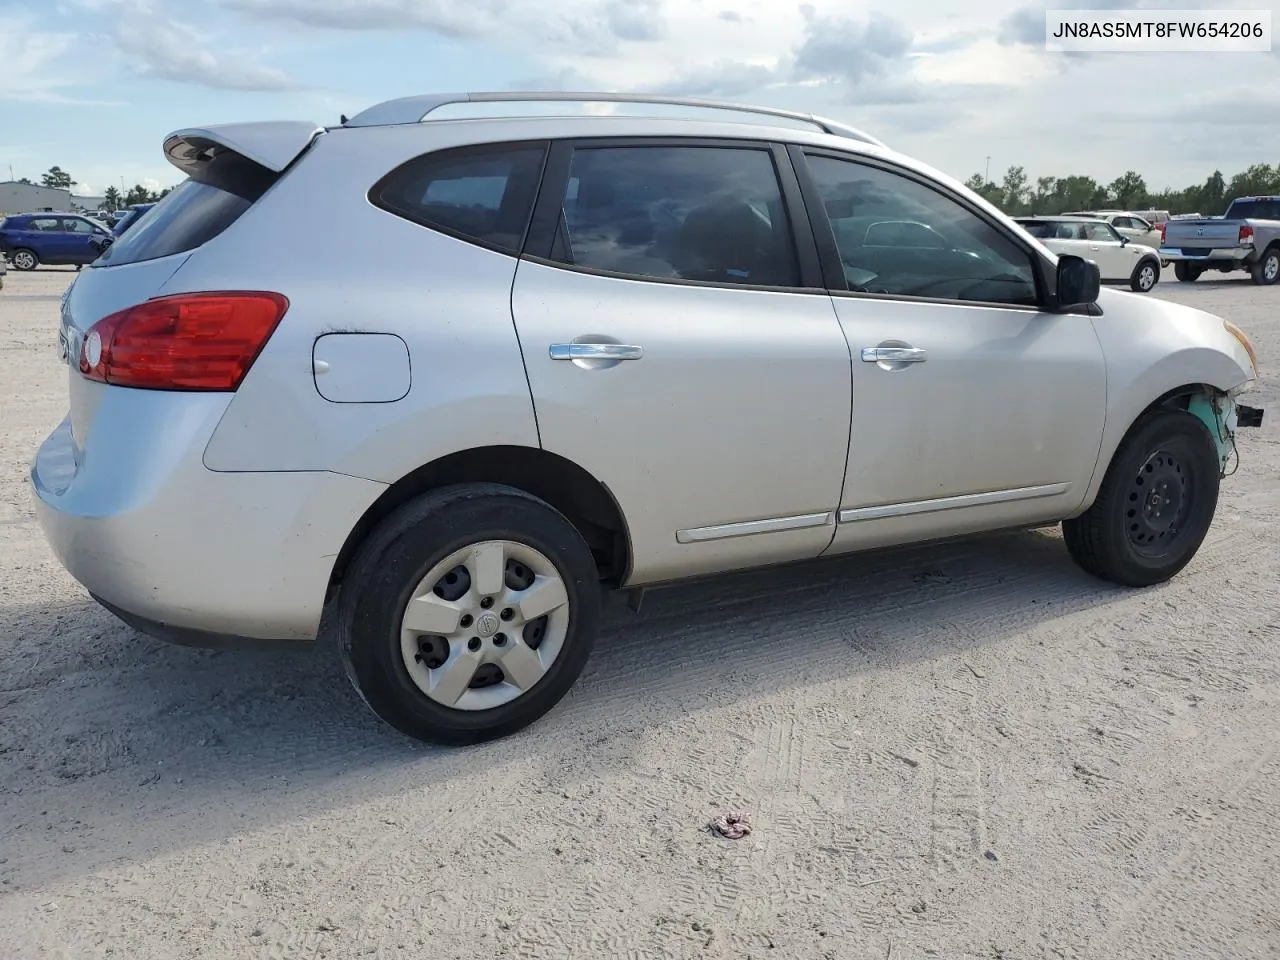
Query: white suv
[455, 375]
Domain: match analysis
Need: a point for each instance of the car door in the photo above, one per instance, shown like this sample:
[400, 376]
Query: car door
[1143, 233]
[78, 234]
[1065, 237]
[44, 236]
[973, 407]
[1115, 258]
[681, 347]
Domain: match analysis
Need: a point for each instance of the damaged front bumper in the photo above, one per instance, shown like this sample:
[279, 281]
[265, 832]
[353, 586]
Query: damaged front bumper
[1223, 416]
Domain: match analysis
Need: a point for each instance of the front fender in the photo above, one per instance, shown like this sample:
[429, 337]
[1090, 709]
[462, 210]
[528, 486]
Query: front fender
[1153, 349]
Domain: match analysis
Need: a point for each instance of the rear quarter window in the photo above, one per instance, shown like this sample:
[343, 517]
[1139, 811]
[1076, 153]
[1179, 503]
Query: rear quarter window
[481, 194]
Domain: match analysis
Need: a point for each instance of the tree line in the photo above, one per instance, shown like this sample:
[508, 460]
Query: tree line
[1016, 195]
[113, 199]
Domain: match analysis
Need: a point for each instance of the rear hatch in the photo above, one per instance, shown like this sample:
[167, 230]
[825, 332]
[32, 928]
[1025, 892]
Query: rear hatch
[1198, 237]
[228, 169]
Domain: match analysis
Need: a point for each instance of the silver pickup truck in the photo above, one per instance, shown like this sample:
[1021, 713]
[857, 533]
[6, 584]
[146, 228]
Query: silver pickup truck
[1246, 237]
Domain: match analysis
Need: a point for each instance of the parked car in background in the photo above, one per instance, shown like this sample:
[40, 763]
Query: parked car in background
[1246, 237]
[552, 355]
[1119, 259]
[129, 217]
[1153, 217]
[1126, 224]
[4, 267]
[28, 240]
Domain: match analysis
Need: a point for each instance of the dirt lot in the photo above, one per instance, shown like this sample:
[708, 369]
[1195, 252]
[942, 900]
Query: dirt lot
[971, 750]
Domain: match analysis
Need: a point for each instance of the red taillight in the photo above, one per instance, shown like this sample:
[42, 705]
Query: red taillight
[192, 341]
[1246, 235]
[1163, 225]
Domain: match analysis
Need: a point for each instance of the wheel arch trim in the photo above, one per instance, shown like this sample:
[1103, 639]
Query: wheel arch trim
[563, 484]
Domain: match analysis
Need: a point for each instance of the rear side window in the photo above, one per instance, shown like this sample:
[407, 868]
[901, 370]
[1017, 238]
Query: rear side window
[481, 194]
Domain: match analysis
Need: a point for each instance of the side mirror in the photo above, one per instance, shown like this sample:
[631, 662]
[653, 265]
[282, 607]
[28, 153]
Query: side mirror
[100, 243]
[1124, 241]
[1079, 281]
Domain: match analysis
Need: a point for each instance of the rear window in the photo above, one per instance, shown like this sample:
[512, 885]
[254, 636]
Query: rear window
[1268, 209]
[193, 213]
[482, 194]
[1037, 228]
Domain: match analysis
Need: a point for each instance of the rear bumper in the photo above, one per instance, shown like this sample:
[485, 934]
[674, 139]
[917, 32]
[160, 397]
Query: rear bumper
[1200, 255]
[184, 552]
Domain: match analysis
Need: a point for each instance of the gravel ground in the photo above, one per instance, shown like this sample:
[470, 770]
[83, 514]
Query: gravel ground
[970, 750]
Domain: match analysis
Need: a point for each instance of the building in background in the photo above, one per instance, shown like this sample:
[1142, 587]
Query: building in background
[16, 197]
[88, 204]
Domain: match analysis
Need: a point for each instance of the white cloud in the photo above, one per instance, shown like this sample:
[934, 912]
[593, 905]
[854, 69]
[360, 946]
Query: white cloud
[170, 50]
[35, 65]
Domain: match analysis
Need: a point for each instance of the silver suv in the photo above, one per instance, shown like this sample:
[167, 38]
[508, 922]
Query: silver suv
[448, 369]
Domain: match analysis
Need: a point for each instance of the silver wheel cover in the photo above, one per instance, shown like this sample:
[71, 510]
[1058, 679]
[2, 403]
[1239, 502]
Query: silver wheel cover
[494, 642]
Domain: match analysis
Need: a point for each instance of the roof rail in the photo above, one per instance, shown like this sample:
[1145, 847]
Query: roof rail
[416, 109]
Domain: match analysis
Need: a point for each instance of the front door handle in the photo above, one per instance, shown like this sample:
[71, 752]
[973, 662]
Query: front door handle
[595, 351]
[894, 355]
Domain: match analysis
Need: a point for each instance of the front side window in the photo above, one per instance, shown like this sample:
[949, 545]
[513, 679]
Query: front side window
[897, 236]
[75, 225]
[1102, 233]
[709, 214]
[480, 194]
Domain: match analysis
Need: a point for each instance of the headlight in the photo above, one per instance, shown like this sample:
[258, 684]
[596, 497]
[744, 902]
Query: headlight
[1244, 342]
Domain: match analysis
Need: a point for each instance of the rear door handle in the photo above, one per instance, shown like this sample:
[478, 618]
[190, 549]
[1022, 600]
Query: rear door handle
[595, 351]
[894, 355]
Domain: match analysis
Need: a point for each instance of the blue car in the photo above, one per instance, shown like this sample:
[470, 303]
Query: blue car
[30, 239]
[127, 218]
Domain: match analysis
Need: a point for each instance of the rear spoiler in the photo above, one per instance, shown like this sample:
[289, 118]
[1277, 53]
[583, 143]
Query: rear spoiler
[272, 144]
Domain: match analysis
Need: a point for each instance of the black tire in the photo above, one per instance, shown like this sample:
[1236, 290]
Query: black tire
[1186, 272]
[1118, 539]
[1267, 270]
[393, 560]
[24, 259]
[1145, 275]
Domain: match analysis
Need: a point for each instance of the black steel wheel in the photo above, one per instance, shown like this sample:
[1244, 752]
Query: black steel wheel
[1155, 505]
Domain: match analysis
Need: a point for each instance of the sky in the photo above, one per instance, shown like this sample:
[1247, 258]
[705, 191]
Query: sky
[94, 85]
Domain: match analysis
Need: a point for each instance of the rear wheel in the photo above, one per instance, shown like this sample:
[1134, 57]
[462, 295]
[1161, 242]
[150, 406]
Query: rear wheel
[468, 613]
[1267, 270]
[24, 260]
[1155, 505]
[1186, 272]
[1145, 276]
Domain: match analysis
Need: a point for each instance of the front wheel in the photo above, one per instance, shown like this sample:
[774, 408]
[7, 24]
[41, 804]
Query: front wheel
[1145, 276]
[1155, 505]
[24, 260]
[468, 613]
[1186, 272]
[1267, 270]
